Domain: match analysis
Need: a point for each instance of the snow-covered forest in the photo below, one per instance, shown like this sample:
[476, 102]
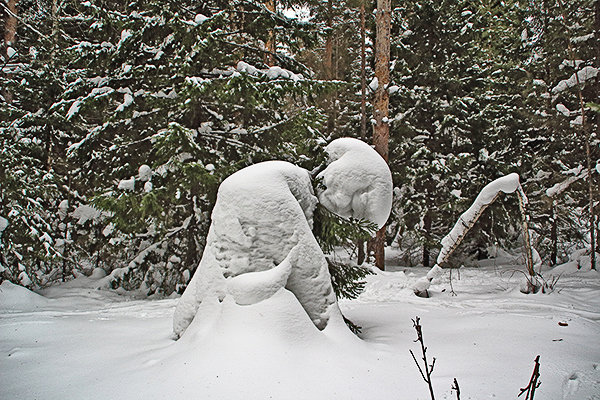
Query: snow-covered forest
[120, 119]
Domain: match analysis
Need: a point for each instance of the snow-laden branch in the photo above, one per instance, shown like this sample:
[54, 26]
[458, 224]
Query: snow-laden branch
[560, 187]
[581, 76]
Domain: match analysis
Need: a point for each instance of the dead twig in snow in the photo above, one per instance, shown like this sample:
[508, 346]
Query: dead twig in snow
[533, 382]
[457, 388]
[427, 370]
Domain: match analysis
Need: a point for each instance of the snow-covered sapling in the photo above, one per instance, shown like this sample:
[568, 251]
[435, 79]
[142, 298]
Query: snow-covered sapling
[506, 184]
[260, 239]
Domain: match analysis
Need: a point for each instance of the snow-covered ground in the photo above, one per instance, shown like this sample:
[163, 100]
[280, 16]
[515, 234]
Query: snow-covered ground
[77, 342]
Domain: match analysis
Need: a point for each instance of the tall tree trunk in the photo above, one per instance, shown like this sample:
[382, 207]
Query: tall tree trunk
[597, 43]
[270, 45]
[55, 33]
[553, 234]
[328, 66]
[363, 72]
[587, 137]
[10, 23]
[328, 56]
[381, 129]
[10, 35]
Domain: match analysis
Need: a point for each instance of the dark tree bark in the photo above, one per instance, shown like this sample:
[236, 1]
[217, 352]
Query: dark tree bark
[10, 23]
[426, 243]
[10, 36]
[554, 234]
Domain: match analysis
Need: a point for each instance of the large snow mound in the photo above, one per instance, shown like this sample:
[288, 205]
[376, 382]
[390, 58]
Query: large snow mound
[357, 181]
[17, 298]
[261, 222]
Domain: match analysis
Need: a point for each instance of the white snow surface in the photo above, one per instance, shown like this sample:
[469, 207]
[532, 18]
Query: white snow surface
[374, 84]
[127, 184]
[561, 108]
[3, 225]
[560, 187]
[358, 182]
[274, 72]
[77, 342]
[127, 101]
[85, 212]
[200, 18]
[73, 110]
[259, 243]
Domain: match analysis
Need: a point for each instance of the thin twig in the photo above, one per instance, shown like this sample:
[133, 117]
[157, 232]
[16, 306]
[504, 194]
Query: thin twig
[457, 388]
[533, 382]
[427, 370]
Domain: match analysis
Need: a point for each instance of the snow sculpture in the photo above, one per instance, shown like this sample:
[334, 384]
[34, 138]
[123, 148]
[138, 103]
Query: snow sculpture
[260, 240]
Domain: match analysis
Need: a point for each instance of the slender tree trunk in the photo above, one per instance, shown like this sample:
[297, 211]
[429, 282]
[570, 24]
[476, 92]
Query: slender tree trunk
[55, 33]
[363, 72]
[328, 67]
[381, 129]
[10, 23]
[361, 252]
[10, 34]
[532, 282]
[588, 154]
[328, 56]
[427, 229]
[270, 45]
[597, 43]
[554, 234]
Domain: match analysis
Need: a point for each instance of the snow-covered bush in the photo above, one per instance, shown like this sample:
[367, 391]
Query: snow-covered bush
[261, 242]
